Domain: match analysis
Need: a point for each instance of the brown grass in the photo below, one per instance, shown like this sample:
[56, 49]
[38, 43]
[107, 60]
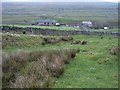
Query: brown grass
[38, 67]
[36, 76]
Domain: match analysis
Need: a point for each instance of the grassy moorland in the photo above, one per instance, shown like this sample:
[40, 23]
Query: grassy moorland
[68, 13]
[93, 67]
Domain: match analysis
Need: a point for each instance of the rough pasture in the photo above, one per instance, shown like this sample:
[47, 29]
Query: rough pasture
[92, 63]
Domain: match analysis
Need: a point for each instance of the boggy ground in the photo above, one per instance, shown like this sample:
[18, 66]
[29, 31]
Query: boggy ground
[93, 67]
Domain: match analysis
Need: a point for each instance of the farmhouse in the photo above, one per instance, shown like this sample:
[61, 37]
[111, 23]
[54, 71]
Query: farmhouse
[45, 22]
[87, 24]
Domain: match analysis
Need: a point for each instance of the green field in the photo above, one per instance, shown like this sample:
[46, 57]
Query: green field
[93, 66]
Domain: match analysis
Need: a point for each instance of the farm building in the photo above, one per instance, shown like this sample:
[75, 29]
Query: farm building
[45, 22]
[87, 24]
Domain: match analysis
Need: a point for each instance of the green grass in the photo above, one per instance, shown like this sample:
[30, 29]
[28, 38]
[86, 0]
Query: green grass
[95, 68]
[109, 30]
[85, 70]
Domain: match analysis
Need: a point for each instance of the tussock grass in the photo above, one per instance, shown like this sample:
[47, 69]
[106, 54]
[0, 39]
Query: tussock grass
[51, 40]
[115, 50]
[54, 40]
[67, 38]
[81, 42]
[34, 69]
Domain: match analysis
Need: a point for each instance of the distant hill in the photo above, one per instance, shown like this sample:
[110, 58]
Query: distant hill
[75, 4]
